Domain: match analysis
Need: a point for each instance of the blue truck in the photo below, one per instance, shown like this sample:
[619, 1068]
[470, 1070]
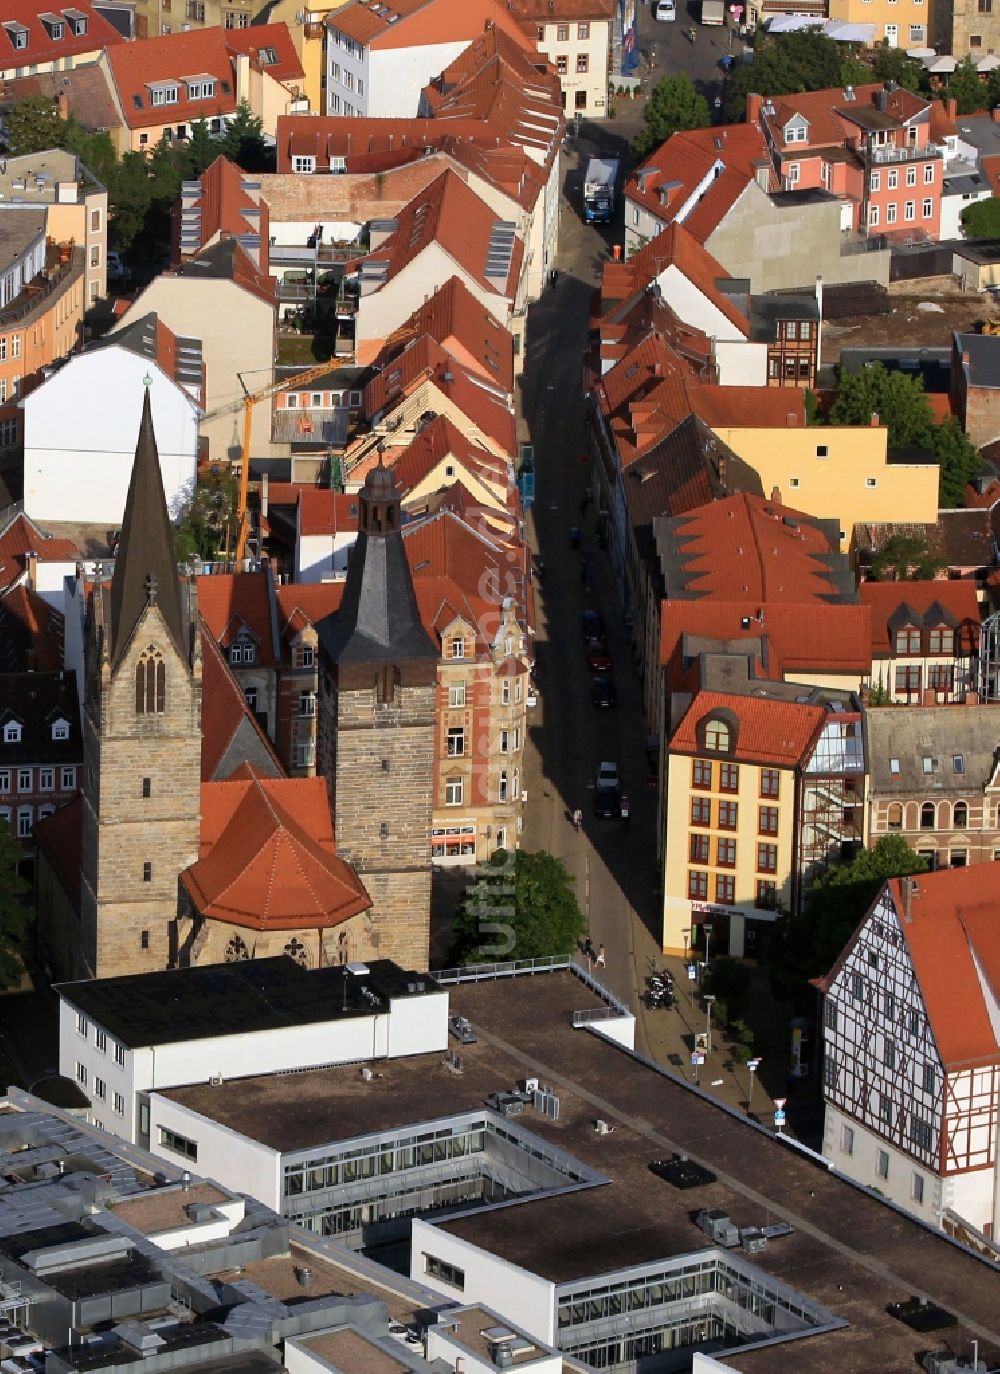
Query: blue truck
[599, 186]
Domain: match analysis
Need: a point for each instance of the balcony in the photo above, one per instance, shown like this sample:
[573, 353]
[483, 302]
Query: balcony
[891, 154]
[61, 269]
[304, 255]
[319, 428]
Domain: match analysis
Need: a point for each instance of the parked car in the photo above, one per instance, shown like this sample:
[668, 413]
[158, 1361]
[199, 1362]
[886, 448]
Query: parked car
[598, 658]
[607, 775]
[461, 1029]
[602, 692]
[593, 625]
[607, 803]
[117, 270]
[665, 10]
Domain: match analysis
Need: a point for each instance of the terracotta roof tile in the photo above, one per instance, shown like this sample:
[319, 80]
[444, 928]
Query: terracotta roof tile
[42, 47]
[679, 167]
[301, 604]
[439, 440]
[955, 597]
[454, 218]
[229, 600]
[31, 632]
[812, 636]
[224, 712]
[322, 511]
[465, 329]
[226, 208]
[171, 59]
[270, 48]
[86, 88]
[21, 536]
[674, 247]
[954, 925]
[415, 23]
[768, 731]
[267, 858]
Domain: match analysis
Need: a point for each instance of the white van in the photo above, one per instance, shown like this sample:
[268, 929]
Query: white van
[665, 9]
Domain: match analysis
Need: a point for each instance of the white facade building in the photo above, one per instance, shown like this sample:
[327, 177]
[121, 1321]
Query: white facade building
[120, 1044]
[911, 1071]
[79, 436]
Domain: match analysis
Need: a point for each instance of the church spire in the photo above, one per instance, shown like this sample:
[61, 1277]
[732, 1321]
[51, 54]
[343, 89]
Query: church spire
[145, 563]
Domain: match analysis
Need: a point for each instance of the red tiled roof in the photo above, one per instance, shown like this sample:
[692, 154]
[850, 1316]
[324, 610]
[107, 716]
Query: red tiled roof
[831, 117]
[21, 536]
[224, 710]
[989, 165]
[685, 162]
[267, 858]
[461, 324]
[750, 407]
[301, 604]
[270, 49]
[447, 213]
[230, 601]
[322, 511]
[956, 597]
[954, 925]
[173, 58]
[768, 731]
[31, 631]
[224, 205]
[416, 23]
[41, 46]
[60, 838]
[674, 247]
[811, 636]
[744, 546]
[439, 440]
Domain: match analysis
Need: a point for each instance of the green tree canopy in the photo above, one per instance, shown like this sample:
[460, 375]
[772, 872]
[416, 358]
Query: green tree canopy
[892, 64]
[673, 106]
[14, 911]
[967, 87]
[899, 401]
[207, 521]
[981, 219]
[520, 906]
[807, 946]
[908, 558]
[33, 125]
[788, 63]
[243, 141]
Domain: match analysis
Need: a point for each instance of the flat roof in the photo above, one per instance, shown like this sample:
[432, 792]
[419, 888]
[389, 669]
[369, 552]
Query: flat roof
[232, 999]
[165, 1209]
[354, 1353]
[469, 1328]
[849, 1252]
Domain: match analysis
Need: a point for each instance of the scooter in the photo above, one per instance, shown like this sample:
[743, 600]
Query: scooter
[692, 34]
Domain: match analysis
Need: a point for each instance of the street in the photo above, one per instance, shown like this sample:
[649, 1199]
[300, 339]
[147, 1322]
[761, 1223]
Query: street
[613, 862]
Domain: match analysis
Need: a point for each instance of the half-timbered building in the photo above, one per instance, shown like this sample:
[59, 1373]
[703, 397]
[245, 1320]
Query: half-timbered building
[911, 1037]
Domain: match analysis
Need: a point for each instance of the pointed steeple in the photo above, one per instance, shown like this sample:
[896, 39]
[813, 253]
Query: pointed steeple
[145, 563]
[378, 622]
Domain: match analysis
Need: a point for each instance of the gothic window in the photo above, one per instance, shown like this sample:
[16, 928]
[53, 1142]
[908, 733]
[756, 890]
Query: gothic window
[150, 683]
[236, 950]
[296, 950]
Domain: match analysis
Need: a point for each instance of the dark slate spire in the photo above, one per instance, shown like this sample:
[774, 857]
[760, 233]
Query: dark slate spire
[378, 621]
[145, 563]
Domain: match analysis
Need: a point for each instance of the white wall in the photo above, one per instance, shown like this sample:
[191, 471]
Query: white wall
[691, 305]
[861, 1166]
[201, 1232]
[741, 363]
[951, 212]
[398, 75]
[323, 557]
[80, 433]
[49, 582]
[78, 1049]
[231, 1159]
[418, 1025]
[514, 1293]
[620, 1029]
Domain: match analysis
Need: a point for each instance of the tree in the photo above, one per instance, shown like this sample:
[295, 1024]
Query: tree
[207, 520]
[893, 64]
[959, 459]
[981, 219]
[896, 398]
[807, 945]
[674, 105]
[14, 913]
[520, 906]
[967, 87]
[200, 151]
[243, 141]
[784, 65]
[907, 557]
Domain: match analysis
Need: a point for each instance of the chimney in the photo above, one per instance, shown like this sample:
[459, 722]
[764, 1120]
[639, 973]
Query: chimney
[908, 887]
[31, 561]
[874, 421]
[776, 495]
[62, 105]
[951, 108]
[966, 360]
[754, 102]
[723, 468]
[819, 295]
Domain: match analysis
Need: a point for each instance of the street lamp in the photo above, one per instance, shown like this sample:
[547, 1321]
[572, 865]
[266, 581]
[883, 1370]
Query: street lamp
[752, 1065]
[707, 928]
[709, 999]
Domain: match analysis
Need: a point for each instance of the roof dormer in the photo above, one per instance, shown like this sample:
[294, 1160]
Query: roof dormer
[55, 25]
[17, 33]
[77, 22]
[796, 130]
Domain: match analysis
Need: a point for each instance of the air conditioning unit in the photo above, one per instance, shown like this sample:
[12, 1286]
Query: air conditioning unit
[530, 1085]
[216, 1080]
[366, 1073]
[602, 1127]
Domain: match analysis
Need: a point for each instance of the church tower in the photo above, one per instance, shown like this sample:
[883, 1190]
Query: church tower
[378, 686]
[142, 737]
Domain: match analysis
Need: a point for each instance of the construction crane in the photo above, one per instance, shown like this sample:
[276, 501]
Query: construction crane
[250, 399]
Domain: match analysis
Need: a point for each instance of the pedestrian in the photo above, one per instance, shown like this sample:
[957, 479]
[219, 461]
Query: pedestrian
[601, 960]
[588, 947]
[577, 820]
[553, 277]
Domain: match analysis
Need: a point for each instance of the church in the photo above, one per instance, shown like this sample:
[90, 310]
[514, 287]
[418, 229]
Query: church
[187, 844]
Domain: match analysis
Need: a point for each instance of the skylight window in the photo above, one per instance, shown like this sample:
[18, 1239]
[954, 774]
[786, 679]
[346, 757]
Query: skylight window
[268, 57]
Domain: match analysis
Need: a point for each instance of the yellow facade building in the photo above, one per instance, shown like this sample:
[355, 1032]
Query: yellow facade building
[842, 472]
[898, 23]
[307, 27]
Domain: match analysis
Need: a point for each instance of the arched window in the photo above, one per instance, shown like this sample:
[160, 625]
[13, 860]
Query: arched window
[927, 816]
[717, 737]
[960, 816]
[150, 683]
[894, 820]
